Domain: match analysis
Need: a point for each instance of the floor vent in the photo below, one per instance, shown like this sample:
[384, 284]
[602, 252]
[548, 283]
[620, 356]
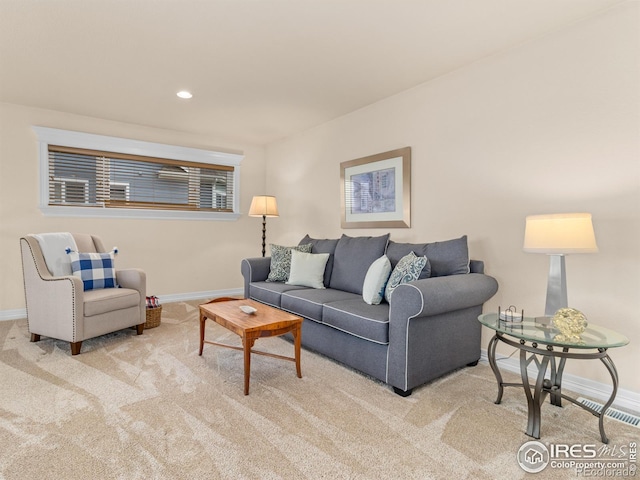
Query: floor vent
[614, 413]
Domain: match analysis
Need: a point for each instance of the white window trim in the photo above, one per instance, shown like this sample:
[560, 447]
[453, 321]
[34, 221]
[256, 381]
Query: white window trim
[66, 138]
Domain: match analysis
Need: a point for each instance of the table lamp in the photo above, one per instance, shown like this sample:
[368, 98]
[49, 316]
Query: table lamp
[263, 206]
[558, 235]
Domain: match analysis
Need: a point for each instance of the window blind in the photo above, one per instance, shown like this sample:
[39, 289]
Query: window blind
[81, 177]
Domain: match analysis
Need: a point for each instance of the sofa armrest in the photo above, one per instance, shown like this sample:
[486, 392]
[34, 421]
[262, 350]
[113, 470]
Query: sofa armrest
[435, 295]
[254, 270]
[433, 327]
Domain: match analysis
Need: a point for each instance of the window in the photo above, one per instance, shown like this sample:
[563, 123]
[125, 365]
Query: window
[119, 177]
[115, 180]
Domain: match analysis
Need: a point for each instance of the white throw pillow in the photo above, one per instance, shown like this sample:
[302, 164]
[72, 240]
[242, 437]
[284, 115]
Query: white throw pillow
[307, 269]
[53, 246]
[376, 280]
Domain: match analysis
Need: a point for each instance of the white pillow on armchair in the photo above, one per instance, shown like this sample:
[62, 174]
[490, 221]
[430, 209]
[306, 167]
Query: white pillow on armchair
[53, 246]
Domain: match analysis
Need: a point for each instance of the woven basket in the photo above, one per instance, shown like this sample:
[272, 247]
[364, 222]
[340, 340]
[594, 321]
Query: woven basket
[153, 317]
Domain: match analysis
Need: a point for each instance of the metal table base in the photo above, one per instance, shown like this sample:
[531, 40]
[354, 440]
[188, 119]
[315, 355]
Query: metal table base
[551, 386]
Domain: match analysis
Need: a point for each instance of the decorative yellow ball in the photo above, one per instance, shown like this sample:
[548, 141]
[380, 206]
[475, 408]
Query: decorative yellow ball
[570, 322]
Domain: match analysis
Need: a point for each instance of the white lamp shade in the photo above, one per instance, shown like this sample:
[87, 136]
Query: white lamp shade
[263, 205]
[560, 234]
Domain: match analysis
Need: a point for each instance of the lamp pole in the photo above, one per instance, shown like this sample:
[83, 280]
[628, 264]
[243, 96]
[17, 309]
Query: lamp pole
[264, 233]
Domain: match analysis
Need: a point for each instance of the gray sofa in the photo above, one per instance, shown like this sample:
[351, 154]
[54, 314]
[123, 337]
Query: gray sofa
[429, 327]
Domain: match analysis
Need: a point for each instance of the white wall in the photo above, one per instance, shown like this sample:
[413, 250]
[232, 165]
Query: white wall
[179, 257]
[551, 126]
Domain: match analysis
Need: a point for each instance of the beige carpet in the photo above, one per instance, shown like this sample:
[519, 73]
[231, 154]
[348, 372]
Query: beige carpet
[145, 407]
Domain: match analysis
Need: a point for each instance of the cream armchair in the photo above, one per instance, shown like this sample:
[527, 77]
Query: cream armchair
[58, 307]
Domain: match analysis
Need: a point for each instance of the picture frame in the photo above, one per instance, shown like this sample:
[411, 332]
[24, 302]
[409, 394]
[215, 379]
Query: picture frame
[376, 190]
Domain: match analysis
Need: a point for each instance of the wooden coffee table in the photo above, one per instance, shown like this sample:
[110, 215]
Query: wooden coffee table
[265, 322]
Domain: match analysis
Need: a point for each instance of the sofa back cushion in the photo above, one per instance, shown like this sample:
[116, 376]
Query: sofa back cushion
[396, 251]
[352, 259]
[450, 257]
[326, 245]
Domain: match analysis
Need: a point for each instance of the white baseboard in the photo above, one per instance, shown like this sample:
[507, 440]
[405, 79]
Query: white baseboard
[625, 399]
[13, 314]
[18, 313]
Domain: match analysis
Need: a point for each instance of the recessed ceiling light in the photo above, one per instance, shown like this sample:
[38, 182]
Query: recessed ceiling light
[184, 94]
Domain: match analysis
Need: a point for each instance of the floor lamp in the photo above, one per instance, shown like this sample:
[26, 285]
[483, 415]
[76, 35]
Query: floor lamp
[263, 206]
[558, 235]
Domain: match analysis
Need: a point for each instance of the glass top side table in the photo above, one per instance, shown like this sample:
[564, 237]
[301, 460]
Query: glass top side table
[527, 336]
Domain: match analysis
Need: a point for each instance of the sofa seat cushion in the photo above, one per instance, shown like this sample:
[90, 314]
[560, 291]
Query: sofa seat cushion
[308, 303]
[97, 302]
[358, 318]
[270, 292]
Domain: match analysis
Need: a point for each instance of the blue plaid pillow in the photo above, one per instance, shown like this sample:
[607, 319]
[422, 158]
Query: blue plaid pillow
[96, 270]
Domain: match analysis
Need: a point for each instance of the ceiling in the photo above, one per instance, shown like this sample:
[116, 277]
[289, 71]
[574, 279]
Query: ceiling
[259, 70]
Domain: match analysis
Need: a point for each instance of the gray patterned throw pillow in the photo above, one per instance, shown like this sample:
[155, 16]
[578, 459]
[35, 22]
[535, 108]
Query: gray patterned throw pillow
[407, 270]
[281, 261]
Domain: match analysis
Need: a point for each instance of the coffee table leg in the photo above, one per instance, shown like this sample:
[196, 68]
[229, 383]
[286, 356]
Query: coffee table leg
[247, 343]
[203, 319]
[297, 337]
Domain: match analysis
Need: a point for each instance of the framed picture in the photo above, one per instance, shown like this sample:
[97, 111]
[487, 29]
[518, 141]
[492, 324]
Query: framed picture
[376, 190]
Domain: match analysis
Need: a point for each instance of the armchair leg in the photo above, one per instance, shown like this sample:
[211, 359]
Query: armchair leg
[140, 328]
[35, 337]
[75, 348]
